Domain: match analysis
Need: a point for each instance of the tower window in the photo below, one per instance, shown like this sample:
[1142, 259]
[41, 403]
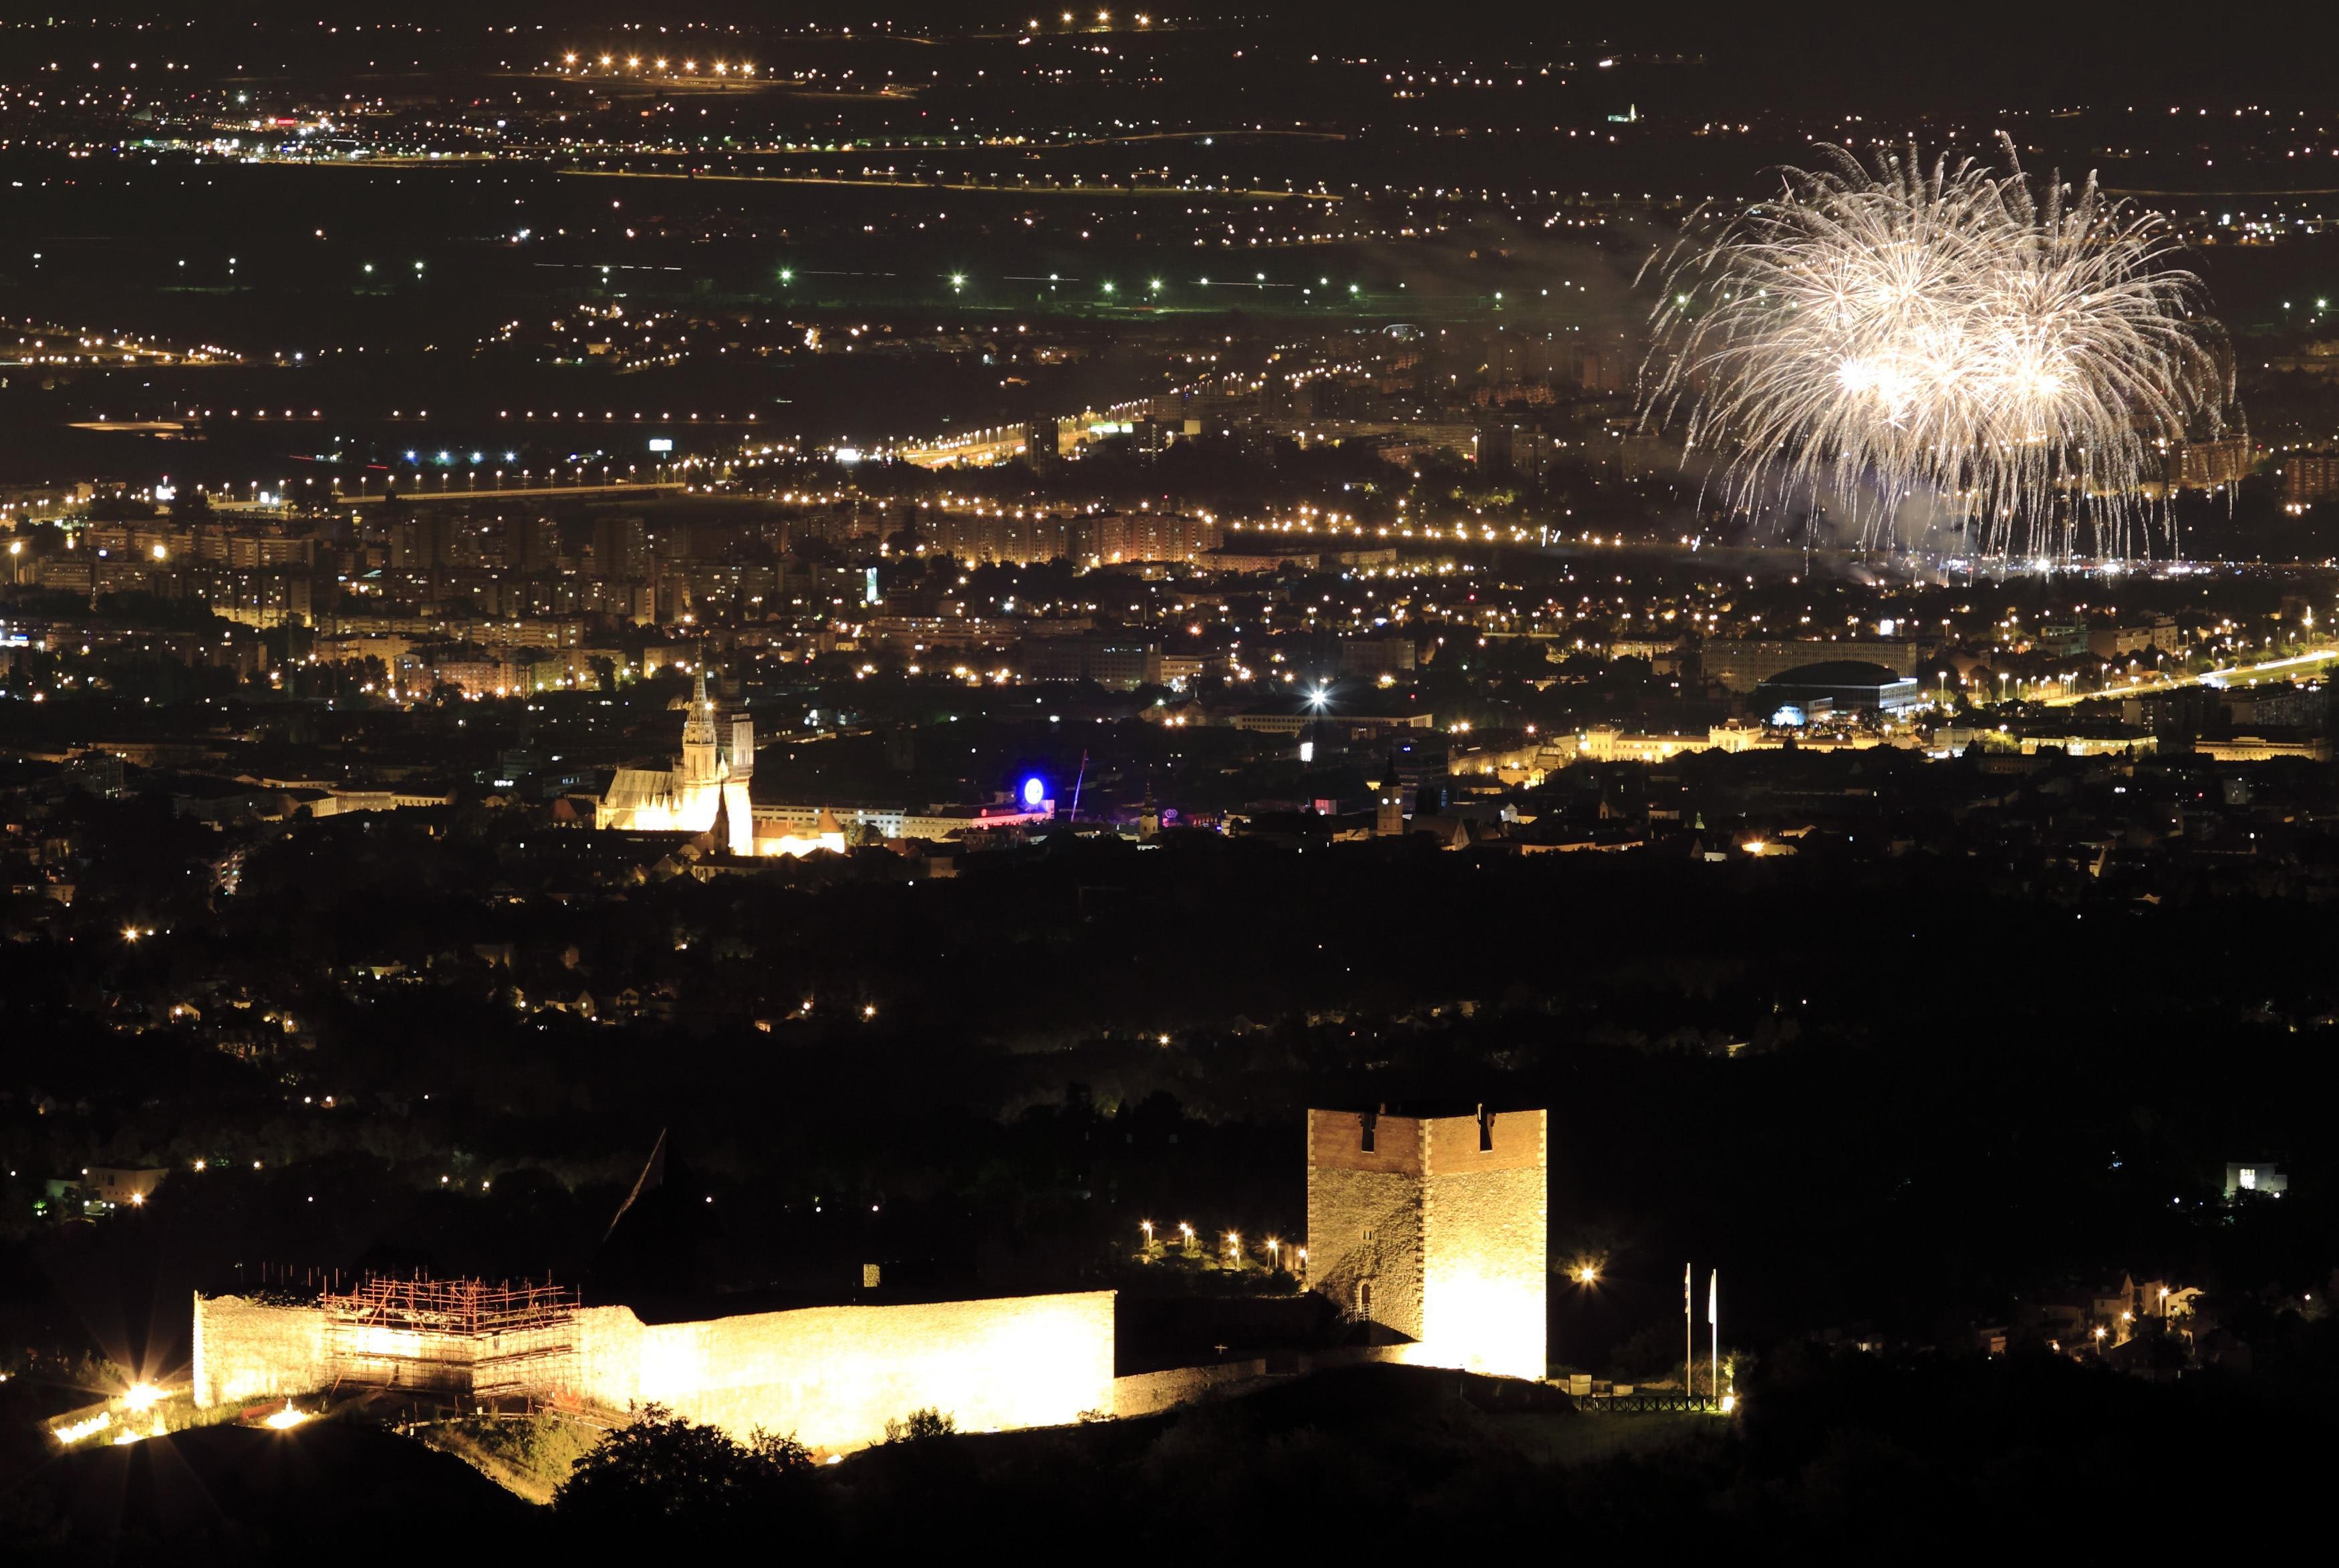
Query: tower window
[1485, 1132]
[1365, 1300]
[1366, 1121]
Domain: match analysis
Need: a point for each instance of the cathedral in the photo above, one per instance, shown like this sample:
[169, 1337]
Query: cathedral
[707, 787]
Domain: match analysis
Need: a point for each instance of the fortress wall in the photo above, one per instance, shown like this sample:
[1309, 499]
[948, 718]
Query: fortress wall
[1149, 1393]
[834, 1375]
[1486, 1217]
[247, 1352]
[609, 1355]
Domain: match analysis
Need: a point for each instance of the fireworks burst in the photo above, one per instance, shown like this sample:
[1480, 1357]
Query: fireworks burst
[2017, 363]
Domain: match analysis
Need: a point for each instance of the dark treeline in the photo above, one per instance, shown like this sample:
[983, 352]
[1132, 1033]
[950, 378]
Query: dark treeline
[1909, 1090]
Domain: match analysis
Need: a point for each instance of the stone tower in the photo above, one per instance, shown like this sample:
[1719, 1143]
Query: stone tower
[1436, 1228]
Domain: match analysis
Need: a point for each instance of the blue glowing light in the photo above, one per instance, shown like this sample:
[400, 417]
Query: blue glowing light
[1034, 791]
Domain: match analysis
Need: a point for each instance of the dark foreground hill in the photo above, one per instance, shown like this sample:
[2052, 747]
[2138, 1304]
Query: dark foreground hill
[1829, 1458]
[325, 1492]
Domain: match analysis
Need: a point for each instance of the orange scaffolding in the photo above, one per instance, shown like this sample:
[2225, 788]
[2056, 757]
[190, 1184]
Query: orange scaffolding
[458, 1336]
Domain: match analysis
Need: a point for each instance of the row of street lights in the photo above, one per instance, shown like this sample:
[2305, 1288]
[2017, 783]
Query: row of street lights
[1277, 1253]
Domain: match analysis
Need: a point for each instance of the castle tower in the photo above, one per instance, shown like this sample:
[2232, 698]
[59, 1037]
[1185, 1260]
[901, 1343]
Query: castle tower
[1436, 1228]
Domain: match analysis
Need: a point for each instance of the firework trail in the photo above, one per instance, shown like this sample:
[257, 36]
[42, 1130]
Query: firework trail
[2016, 362]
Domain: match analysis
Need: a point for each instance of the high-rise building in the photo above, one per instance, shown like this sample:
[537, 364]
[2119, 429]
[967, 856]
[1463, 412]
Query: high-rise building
[532, 544]
[621, 549]
[423, 540]
[1118, 663]
[2204, 465]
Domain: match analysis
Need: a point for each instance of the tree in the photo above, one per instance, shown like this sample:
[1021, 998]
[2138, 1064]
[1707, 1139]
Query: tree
[664, 1473]
[920, 1425]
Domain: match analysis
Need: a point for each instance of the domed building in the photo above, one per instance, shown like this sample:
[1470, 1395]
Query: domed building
[1836, 686]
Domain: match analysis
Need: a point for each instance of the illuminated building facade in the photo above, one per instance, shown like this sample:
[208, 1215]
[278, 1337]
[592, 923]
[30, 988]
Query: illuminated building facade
[781, 826]
[1436, 1228]
[709, 780]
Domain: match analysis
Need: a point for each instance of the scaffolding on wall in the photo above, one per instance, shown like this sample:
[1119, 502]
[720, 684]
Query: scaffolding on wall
[458, 1336]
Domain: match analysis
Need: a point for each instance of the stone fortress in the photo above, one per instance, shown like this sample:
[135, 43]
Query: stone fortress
[833, 1375]
[1429, 1232]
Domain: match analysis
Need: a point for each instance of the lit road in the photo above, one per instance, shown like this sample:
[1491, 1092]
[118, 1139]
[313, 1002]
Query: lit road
[2226, 676]
[998, 187]
[420, 497]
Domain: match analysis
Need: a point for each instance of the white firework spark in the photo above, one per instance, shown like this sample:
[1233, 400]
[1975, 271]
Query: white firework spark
[2020, 362]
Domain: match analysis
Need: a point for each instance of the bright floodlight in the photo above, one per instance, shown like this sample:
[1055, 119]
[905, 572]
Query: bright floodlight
[142, 1397]
[1034, 791]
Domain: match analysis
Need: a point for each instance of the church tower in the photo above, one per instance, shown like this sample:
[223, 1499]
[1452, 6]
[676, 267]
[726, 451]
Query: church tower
[700, 764]
[1388, 805]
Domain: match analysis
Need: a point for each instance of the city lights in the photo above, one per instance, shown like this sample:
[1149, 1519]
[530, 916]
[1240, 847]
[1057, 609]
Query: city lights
[578, 659]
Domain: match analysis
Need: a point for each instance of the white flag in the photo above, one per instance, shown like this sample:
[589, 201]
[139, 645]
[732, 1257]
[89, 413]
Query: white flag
[1714, 1298]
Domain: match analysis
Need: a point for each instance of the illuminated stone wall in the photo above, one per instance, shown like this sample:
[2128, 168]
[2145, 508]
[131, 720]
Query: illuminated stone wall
[1452, 1238]
[1150, 1392]
[833, 1375]
[247, 1352]
[1485, 1225]
[1364, 1218]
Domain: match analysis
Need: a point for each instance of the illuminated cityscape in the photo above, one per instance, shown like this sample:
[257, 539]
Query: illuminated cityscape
[774, 777]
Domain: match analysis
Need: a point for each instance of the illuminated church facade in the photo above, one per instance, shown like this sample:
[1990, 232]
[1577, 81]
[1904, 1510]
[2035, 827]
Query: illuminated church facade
[707, 784]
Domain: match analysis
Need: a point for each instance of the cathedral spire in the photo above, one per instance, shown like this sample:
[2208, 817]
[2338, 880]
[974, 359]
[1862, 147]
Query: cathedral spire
[701, 752]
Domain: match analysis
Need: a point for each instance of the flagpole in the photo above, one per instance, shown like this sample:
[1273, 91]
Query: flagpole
[1689, 1331]
[1713, 1320]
